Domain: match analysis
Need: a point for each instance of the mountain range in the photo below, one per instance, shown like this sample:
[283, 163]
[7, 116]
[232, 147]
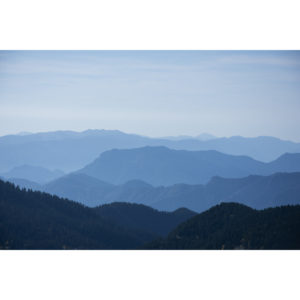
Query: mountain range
[36, 174]
[163, 166]
[69, 150]
[255, 191]
[125, 191]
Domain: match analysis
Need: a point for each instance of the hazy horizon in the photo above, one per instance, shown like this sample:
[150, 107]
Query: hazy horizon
[24, 133]
[152, 93]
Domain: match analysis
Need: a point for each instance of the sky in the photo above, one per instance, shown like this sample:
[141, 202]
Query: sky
[152, 93]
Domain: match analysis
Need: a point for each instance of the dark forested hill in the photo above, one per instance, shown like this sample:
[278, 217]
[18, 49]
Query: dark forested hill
[69, 150]
[164, 166]
[235, 226]
[35, 220]
[141, 217]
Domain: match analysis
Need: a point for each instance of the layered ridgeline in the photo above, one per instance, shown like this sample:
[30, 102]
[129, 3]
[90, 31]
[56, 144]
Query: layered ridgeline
[69, 150]
[235, 226]
[255, 191]
[35, 220]
[163, 166]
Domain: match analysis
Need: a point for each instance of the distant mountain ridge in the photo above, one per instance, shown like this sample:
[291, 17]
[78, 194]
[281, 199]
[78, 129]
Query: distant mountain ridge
[258, 192]
[255, 191]
[201, 137]
[163, 166]
[83, 189]
[33, 173]
[69, 150]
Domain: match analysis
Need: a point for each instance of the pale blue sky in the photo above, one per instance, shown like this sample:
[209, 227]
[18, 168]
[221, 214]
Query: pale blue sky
[154, 93]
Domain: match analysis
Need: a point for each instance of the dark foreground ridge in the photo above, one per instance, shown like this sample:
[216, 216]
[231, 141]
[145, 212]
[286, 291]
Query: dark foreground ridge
[36, 220]
[236, 226]
[142, 217]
